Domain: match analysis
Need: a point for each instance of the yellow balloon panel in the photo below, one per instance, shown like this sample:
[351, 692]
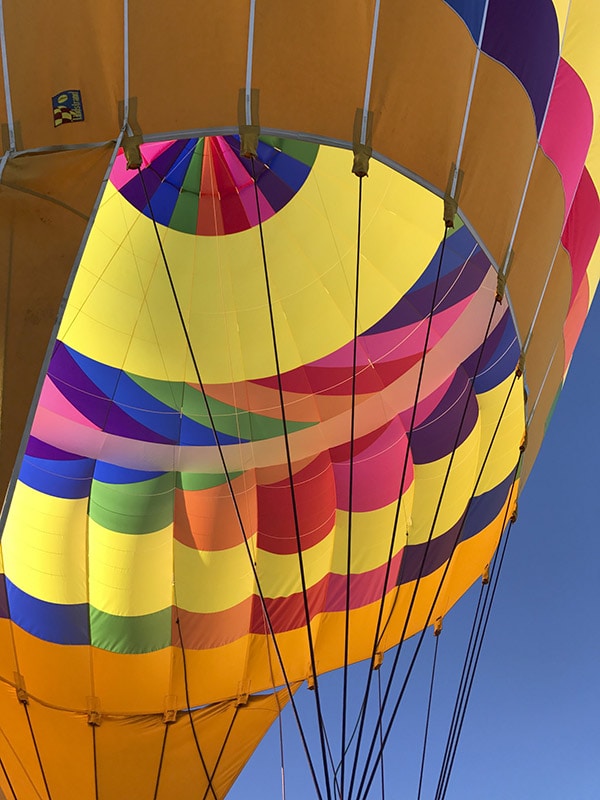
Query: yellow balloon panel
[121, 311]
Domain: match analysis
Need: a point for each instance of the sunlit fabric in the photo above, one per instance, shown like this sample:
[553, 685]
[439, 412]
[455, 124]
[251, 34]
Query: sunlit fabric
[208, 434]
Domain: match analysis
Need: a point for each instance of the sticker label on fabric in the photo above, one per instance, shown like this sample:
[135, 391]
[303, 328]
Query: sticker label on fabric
[67, 107]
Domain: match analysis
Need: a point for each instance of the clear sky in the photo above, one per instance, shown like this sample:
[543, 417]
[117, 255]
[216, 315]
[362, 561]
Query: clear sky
[534, 726]
[532, 729]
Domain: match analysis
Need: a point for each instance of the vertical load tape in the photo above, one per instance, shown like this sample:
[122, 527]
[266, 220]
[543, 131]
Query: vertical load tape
[249, 127]
[453, 187]
[132, 133]
[361, 144]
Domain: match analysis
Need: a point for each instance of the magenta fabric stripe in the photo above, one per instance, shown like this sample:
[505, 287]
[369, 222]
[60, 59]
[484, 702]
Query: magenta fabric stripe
[568, 128]
[582, 229]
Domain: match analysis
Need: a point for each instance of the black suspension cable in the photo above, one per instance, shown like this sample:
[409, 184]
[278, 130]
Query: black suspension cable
[477, 647]
[96, 789]
[380, 725]
[438, 591]
[25, 705]
[428, 716]
[442, 492]
[189, 707]
[377, 635]
[231, 490]
[461, 685]
[281, 753]
[351, 491]
[161, 759]
[362, 707]
[279, 720]
[470, 392]
[313, 662]
[435, 517]
[5, 773]
[433, 604]
[348, 744]
[474, 646]
[192, 354]
[22, 698]
[222, 750]
[170, 720]
[93, 724]
[444, 778]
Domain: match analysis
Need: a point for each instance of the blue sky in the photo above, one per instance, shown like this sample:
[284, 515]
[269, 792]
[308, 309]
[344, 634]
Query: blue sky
[534, 726]
[532, 729]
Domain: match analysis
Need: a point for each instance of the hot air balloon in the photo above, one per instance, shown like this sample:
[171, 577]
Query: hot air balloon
[322, 272]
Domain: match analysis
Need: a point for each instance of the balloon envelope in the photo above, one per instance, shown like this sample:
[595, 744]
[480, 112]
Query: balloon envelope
[240, 470]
